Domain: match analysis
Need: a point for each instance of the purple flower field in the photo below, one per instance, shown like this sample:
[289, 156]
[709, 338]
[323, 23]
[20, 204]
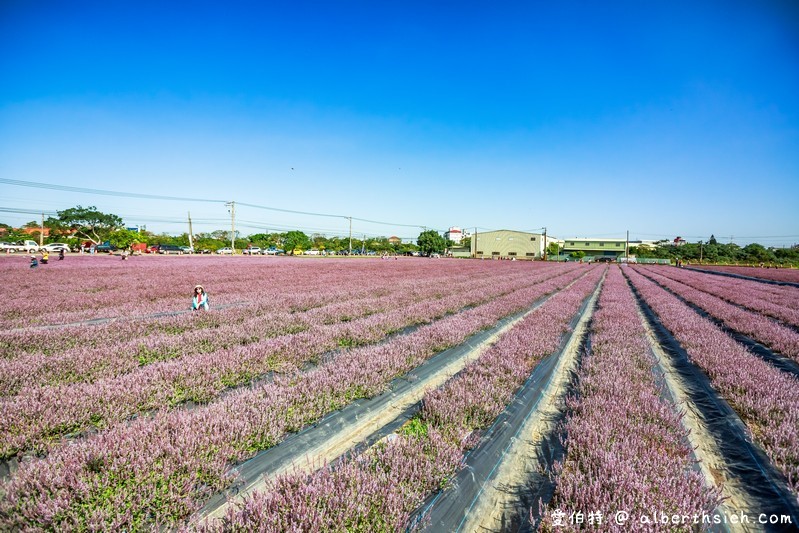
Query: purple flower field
[394, 474]
[626, 445]
[120, 409]
[782, 274]
[766, 399]
[90, 480]
[766, 298]
[778, 336]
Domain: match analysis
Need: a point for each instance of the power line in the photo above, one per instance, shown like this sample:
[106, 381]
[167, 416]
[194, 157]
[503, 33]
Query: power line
[105, 192]
[26, 211]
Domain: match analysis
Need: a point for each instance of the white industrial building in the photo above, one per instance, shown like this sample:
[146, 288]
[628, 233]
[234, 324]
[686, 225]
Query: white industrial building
[455, 234]
[507, 244]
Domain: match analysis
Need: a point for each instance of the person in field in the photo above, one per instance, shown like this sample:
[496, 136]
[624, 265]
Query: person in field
[45, 257]
[199, 299]
[61, 255]
[34, 261]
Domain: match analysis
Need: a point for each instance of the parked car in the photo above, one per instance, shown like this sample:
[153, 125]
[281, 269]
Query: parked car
[166, 249]
[22, 246]
[604, 259]
[225, 251]
[252, 250]
[187, 249]
[55, 247]
[204, 251]
[273, 251]
[105, 247]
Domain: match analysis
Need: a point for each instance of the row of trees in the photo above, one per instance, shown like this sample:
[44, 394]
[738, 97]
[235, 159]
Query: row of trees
[711, 251]
[79, 225]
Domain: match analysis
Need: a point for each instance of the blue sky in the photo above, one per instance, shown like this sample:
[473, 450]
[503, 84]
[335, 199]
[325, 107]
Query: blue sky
[664, 118]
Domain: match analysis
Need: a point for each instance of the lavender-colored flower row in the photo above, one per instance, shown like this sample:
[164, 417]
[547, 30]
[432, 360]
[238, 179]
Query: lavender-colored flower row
[626, 447]
[473, 399]
[776, 336]
[782, 274]
[292, 287]
[39, 415]
[766, 399]
[84, 364]
[102, 289]
[376, 491]
[396, 485]
[167, 465]
[779, 302]
[84, 288]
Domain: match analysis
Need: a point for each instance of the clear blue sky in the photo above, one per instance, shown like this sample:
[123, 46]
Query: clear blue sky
[590, 118]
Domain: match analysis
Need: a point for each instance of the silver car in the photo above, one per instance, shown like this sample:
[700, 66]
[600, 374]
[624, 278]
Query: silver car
[55, 247]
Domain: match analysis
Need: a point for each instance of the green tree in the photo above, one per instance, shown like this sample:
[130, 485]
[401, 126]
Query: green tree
[711, 253]
[787, 255]
[712, 240]
[319, 241]
[86, 222]
[756, 253]
[430, 242]
[296, 241]
[123, 238]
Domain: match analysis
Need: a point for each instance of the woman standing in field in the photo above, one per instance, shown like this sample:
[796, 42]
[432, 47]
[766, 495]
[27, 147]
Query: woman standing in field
[199, 299]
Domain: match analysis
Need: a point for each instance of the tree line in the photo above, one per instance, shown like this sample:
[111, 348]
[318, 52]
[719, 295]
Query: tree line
[712, 251]
[79, 225]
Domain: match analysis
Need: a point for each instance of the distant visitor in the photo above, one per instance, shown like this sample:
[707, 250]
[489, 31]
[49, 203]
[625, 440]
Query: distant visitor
[199, 299]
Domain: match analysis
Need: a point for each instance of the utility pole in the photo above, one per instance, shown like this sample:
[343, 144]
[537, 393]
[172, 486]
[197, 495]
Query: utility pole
[545, 243]
[350, 253]
[41, 233]
[627, 248]
[474, 242]
[232, 206]
[191, 239]
[363, 244]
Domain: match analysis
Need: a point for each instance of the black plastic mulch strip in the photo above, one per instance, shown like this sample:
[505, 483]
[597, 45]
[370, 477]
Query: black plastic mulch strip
[741, 276]
[765, 487]
[448, 510]
[784, 364]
